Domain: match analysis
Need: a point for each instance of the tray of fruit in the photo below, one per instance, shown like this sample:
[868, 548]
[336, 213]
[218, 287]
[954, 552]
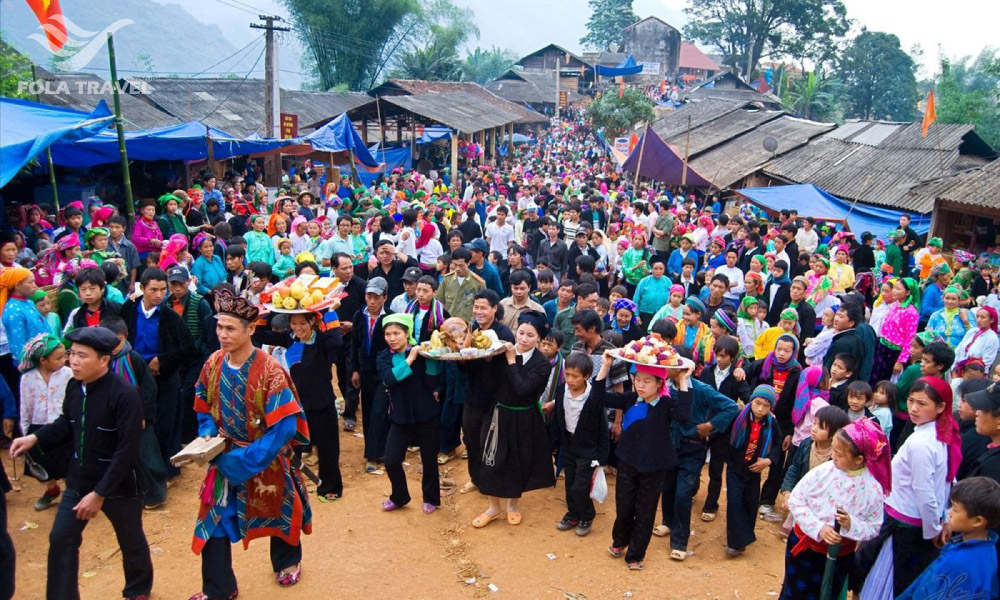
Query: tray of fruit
[454, 341]
[653, 351]
[302, 294]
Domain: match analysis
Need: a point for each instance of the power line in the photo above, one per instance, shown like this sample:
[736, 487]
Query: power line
[224, 3]
[237, 88]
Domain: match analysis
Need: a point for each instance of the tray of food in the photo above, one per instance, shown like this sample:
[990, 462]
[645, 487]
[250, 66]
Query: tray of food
[652, 351]
[454, 341]
[302, 294]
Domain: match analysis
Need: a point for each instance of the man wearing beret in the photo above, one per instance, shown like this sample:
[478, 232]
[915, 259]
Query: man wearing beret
[102, 418]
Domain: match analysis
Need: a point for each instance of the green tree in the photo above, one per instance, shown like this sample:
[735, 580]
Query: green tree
[350, 42]
[15, 69]
[813, 96]
[443, 27]
[969, 92]
[879, 77]
[607, 19]
[616, 115]
[483, 66]
[746, 31]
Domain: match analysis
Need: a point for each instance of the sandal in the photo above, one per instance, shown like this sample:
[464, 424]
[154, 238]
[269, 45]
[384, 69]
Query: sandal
[514, 518]
[635, 566]
[661, 531]
[202, 596]
[389, 505]
[443, 458]
[468, 487]
[616, 551]
[428, 508]
[289, 578]
[708, 517]
[349, 424]
[678, 555]
[327, 498]
[484, 519]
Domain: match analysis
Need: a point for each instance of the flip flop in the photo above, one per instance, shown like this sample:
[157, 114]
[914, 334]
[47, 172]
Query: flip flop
[484, 519]
[514, 518]
[389, 505]
[428, 508]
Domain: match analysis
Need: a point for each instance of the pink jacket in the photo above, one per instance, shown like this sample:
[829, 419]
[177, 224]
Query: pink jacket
[142, 233]
[899, 327]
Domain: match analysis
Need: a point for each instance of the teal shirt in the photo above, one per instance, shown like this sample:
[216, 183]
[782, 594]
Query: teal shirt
[652, 293]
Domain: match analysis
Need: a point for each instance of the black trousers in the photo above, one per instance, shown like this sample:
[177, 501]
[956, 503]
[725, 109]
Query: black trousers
[324, 434]
[347, 391]
[169, 419]
[218, 581]
[374, 416]
[776, 474]
[189, 378]
[473, 416]
[742, 502]
[451, 408]
[636, 497]
[680, 485]
[426, 435]
[579, 505]
[66, 536]
[151, 472]
[8, 556]
[719, 447]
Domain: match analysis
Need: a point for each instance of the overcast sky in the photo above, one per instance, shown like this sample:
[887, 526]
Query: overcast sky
[958, 27]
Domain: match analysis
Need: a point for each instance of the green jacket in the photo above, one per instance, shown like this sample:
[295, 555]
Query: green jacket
[458, 297]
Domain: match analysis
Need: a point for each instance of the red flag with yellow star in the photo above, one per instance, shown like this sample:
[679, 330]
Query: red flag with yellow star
[46, 12]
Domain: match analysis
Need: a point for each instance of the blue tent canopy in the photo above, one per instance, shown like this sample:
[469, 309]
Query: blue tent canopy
[391, 157]
[339, 135]
[625, 67]
[28, 128]
[434, 133]
[811, 201]
[185, 141]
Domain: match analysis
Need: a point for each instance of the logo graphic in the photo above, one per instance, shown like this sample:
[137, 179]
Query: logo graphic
[80, 46]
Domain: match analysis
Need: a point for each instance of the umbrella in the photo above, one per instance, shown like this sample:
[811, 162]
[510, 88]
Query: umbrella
[826, 590]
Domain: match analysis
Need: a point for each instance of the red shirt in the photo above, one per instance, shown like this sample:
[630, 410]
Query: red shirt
[754, 440]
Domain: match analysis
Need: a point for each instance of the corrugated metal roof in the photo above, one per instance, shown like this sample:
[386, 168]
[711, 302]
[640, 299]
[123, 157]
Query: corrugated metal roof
[529, 87]
[315, 106]
[847, 130]
[418, 87]
[876, 134]
[733, 160]
[979, 187]
[84, 90]
[723, 129]
[893, 173]
[701, 112]
[460, 111]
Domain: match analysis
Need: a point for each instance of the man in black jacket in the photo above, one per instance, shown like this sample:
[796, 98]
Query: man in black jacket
[102, 418]
[552, 250]
[367, 340]
[846, 340]
[390, 265]
[161, 337]
[354, 301]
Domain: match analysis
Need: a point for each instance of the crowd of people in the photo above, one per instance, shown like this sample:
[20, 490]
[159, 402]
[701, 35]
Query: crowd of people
[839, 385]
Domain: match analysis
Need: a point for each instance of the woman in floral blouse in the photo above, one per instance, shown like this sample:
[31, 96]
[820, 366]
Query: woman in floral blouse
[900, 325]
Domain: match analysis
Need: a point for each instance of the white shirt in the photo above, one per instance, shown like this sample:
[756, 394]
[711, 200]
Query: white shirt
[399, 303]
[573, 406]
[808, 241]
[407, 243]
[919, 489]
[500, 237]
[149, 313]
[721, 374]
[735, 275]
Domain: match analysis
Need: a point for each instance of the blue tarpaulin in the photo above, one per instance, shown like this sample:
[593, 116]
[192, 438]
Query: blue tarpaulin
[392, 157]
[27, 129]
[434, 133]
[811, 201]
[625, 67]
[339, 135]
[186, 141]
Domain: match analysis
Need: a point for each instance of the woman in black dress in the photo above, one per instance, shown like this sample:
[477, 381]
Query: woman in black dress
[311, 357]
[516, 453]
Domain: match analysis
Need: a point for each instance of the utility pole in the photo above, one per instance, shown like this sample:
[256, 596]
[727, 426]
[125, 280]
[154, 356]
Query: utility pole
[272, 95]
[126, 176]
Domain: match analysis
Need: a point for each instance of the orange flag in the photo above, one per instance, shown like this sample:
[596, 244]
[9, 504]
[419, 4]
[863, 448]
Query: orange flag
[621, 89]
[663, 86]
[46, 12]
[930, 114]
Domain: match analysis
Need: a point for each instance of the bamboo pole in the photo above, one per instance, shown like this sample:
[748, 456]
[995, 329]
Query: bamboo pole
[642, 149]
[126, 177]
[687, 147]
[48, 155]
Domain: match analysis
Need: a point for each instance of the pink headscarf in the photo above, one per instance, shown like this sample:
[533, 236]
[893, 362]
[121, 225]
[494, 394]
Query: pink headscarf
[945, 425]
[655, 371]
[173, 247]
[867, 435]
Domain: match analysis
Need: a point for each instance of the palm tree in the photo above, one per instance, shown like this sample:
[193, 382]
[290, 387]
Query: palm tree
[813, 96]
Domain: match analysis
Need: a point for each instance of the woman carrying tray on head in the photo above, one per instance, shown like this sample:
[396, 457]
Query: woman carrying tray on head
[516, 454]
[312, 352]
